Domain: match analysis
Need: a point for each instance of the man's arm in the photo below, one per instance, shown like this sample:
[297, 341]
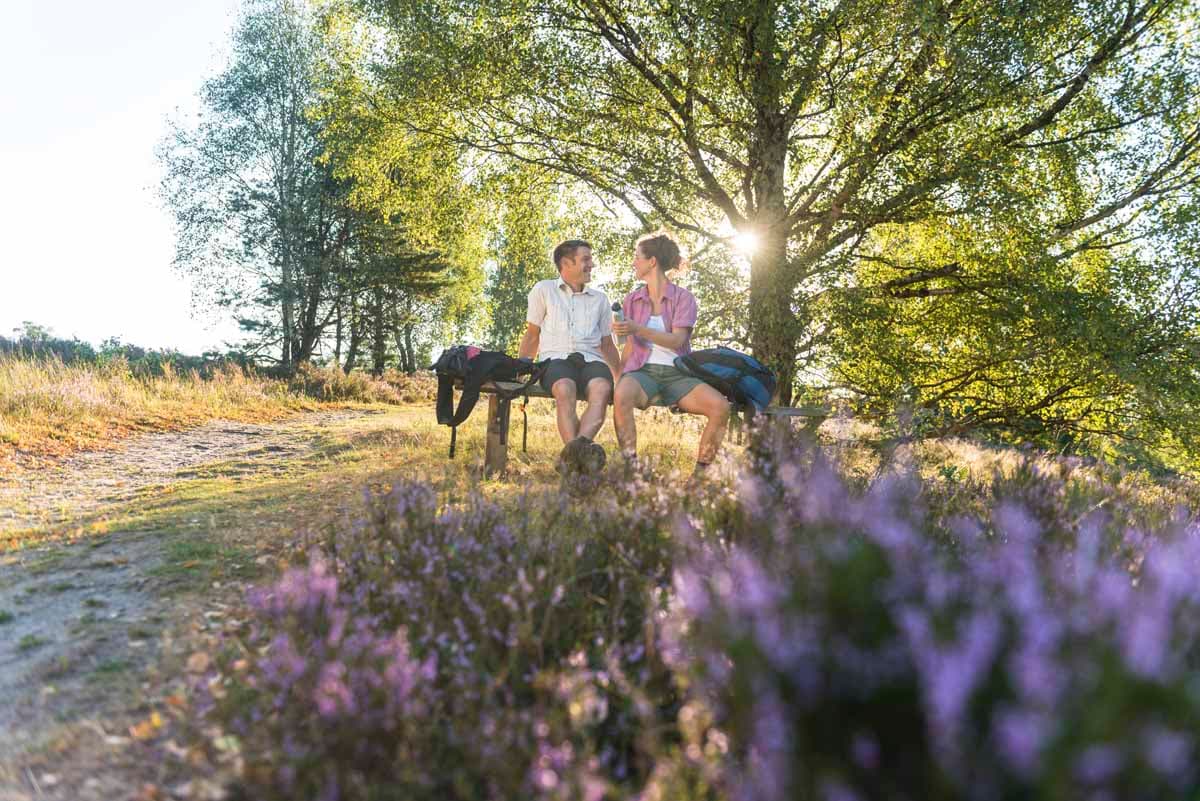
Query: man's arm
[613, 359]
[535, 315]
[529, 341]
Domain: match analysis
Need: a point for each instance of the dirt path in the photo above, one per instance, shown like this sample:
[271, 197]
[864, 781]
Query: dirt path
[83, 624]
[89, 481]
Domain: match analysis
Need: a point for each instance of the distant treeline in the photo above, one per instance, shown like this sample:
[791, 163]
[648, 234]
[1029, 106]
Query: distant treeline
[34, 341]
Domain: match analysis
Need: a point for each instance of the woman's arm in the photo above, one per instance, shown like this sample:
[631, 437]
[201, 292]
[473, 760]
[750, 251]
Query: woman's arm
[671, 340]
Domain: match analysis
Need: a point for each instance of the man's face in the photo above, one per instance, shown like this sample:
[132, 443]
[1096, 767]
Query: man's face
[577, 268]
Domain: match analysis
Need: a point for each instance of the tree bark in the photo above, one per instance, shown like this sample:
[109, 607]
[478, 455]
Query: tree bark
[355, 335]
[337, 330]
[403, 336]
[378, 334]
[772, 319]
[773, 329]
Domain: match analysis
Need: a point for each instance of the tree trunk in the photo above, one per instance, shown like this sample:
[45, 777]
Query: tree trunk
[355, 334]
[772, 320]
[773, 330]
[379, 336]
[412, 357]
[337, 331]
[285, 290]
[403, 337]
[311, 328]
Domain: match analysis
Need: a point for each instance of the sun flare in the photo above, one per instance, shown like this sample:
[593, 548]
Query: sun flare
[745, 242]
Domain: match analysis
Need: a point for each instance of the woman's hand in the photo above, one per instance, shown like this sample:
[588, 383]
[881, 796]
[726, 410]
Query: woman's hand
[626, 328]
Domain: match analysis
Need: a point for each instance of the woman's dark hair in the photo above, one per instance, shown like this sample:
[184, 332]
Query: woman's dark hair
[665, 249]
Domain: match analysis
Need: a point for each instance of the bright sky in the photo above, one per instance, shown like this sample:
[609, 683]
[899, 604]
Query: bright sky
[85, 91]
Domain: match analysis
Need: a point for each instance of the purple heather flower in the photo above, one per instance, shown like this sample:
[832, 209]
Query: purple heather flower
[1015, 523]
[283, 665]
[864, 749]
[1168, 752]
[1021, 734]
[768, 768]
[950, 673]
[691, 591]
[747, 586]
[1034, 666]
[1145, 635]
[750, 493]
[1098, 763]
[331, 694]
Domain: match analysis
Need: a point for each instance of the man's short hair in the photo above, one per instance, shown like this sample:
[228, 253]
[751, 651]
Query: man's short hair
[568, 248]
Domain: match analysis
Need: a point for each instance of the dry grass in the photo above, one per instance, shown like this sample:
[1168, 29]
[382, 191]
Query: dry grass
[49, 409]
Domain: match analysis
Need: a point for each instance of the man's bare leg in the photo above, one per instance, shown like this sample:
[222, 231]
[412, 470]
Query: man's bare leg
[629, 396]
[564, 404]
[598, 393]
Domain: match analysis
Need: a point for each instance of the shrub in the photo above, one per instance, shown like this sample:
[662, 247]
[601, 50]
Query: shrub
[864, 647]
[781, 635]
[497, 599]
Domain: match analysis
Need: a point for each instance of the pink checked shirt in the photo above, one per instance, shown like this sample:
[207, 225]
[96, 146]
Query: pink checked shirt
[678, 311]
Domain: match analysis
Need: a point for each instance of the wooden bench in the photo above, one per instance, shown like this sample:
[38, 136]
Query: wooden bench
[495, 458]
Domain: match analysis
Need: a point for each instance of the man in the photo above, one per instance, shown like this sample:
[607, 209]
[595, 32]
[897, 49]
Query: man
[570, 324]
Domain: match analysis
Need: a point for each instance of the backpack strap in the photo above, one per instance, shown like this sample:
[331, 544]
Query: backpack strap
[445, 400]
[479, 370]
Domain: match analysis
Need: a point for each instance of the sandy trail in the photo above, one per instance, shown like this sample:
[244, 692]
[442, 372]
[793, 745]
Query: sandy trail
[82, 623]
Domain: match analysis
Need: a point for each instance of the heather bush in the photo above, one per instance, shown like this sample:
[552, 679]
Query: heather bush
[488, 601]
[331, 383]
[778, 633]
[418, 387]
[881, 646]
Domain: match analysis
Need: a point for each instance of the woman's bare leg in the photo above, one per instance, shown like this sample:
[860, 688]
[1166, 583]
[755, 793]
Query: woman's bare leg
[707, 402]
[629, 396]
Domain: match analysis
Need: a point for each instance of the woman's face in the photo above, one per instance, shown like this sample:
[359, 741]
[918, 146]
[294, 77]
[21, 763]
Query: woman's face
[642, 265]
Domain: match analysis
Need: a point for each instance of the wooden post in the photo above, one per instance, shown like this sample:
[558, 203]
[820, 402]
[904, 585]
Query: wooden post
[495, 458]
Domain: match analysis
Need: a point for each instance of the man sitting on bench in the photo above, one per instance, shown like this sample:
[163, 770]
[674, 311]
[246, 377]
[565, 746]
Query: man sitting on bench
[570, 324]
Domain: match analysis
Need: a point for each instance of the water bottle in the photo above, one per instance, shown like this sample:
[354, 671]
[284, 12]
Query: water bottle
[618, 317]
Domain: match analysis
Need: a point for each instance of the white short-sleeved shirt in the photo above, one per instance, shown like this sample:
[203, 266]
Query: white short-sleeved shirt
[570, 321]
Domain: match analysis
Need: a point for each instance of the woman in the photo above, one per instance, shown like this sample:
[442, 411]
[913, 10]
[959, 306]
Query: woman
[659, 317]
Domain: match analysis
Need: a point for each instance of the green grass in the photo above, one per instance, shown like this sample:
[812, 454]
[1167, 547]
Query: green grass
[111, 666]
[30, 641]
[6, 617]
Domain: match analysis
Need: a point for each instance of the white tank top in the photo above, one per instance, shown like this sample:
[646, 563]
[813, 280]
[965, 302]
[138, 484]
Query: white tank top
[659, 354]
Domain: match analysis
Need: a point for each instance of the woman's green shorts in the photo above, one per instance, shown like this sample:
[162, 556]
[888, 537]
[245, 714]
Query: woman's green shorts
[664, 384]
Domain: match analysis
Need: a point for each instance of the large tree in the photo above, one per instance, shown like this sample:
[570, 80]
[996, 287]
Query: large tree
[258, 218]
[810, 125]
[274, 224]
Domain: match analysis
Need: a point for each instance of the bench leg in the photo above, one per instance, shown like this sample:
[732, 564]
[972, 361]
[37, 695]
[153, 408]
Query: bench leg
[495, 458]
[736, 427]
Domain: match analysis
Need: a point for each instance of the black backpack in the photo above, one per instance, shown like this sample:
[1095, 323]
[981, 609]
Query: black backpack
[474, 366]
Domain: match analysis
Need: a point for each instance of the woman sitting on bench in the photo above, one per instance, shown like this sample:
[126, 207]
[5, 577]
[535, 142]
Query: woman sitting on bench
[659, 317]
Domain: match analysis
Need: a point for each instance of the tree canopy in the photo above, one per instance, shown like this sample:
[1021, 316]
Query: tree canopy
[984, 210]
